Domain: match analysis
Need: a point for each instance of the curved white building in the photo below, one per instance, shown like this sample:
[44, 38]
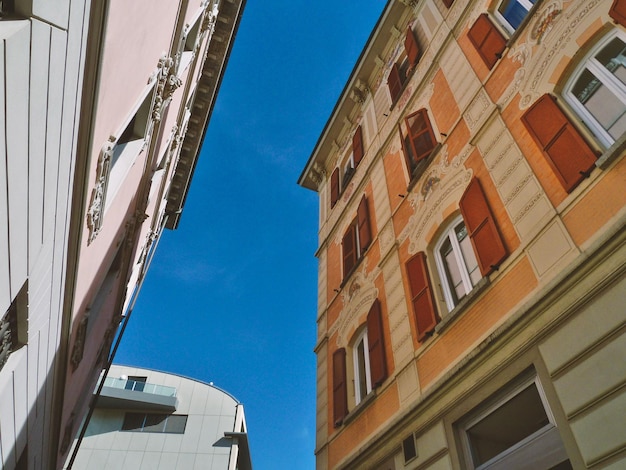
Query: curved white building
[145, 419]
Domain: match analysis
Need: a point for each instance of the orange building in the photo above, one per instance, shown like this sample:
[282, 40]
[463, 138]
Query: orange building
[472, 251]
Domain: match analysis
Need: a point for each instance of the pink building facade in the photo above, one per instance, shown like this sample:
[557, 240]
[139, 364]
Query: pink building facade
[109, 103]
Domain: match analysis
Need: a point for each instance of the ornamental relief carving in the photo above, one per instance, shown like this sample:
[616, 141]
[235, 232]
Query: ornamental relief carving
[95, 213]
[445, 190]
[357, 297]
[552, 34]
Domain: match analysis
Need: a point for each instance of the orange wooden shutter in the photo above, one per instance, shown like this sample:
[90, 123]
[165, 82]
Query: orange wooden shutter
[421, 134]
[340, 395]
[568, 154]
[365, 230]
[421, 295]
[334, 188]
[618, 12]
[349, 249]
[394, 82]
[357, 146]
[486, 240]
[487, 39]
[376, 345]
[411, 47]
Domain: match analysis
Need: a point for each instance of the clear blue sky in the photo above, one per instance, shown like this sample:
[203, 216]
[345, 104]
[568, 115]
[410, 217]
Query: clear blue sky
[231, 296]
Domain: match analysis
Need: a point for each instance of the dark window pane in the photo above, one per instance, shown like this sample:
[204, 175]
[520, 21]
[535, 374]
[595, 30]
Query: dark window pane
[155, 423]
[515, 420]
[176, 424]
[514, 12]
[133, 421]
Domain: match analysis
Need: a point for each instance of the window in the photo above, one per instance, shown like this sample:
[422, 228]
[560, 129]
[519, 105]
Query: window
[154, 422]
[469, 249]
[511, 428]
[357, 239]
[487, 39]
[456, 263]
[419, 142]
[361, 358]
[566, 151]
[409, 449]
[136, 383]
[404, 66]
[511, 13]
[188, 44]
[597, 89]
[127, 146]
[342, 175]
[368, 362]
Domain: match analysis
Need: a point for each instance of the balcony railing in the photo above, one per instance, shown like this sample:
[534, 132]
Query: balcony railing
[139, 386]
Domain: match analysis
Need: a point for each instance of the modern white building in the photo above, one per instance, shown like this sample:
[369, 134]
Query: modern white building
[146, 419]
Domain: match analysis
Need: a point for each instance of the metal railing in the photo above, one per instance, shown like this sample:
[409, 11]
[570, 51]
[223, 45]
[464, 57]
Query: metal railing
[139, 386]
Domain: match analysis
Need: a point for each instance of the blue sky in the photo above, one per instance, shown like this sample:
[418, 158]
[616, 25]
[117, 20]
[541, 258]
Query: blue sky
[231, 296]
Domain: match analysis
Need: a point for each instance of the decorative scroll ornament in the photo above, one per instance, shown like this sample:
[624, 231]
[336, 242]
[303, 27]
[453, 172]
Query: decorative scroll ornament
[545, 22]
[95, 213]
[409, 3]
[317, 174]
[209, 18]
[68, 435]
[167, 84]
[359, 92]
[79, 342]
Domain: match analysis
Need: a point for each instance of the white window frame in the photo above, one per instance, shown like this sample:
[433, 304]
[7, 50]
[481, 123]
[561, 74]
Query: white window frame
[526, 444]
[450, 234]
[526, 4]
[189, 43]
[358, 395]
[348, 166]
[124, 155]
[589, 62]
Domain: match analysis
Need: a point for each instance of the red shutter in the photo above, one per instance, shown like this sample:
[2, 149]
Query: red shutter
[340, 395]
[486, 240]
[334, 188]
[376, 344]
[421, 134]
[618, 12]
[569, 155]
[365, 231]
[394, 82]
[349, 250]
[487, 39]
[357, 146]
[411, 47]
[421, 295]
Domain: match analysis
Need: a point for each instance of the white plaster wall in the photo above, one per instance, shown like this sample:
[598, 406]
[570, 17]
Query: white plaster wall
[41, 62]
[211, 412]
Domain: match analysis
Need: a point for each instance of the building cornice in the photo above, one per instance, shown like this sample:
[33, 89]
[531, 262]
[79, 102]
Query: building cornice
[224, 29]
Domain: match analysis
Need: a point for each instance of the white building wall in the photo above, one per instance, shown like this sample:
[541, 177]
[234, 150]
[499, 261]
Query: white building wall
[41, 64]
[211, 412]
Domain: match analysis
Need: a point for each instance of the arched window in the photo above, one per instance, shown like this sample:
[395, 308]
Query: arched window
[597, 89]
[456, 263]
[368, 367]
